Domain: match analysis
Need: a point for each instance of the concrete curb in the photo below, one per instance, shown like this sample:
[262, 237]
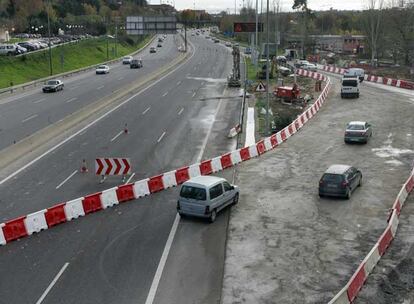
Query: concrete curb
[34, 83]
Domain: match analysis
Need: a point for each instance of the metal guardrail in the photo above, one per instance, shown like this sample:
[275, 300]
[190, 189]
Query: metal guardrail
[36, 82]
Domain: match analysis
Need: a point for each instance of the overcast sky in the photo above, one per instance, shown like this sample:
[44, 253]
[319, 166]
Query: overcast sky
[214, 6]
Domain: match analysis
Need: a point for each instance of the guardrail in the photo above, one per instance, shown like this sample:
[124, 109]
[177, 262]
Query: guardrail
[34, 83]
[41, 220]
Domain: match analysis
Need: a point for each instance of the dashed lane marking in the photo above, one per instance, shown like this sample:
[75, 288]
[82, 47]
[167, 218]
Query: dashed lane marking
[66, 179]
[29, 118]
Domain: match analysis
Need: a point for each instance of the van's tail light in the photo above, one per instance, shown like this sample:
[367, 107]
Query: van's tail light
[178, 205]
[207, 211]
[344, 184]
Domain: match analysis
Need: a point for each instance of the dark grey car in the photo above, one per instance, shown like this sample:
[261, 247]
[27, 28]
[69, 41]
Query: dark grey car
[340, 180]
[357, 131]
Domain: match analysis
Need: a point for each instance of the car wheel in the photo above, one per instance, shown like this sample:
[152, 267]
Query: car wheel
[236, 199]
[320, 195]
[342, 95]
[360, 181]
[357, 95]
[349, 194]
[213, 216]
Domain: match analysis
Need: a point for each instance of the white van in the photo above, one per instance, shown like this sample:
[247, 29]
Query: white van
[350, 87]
[355, 72]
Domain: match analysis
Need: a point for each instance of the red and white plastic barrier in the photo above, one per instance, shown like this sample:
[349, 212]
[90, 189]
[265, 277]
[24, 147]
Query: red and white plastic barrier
[63, 212]
[348, 294]
[409, 85]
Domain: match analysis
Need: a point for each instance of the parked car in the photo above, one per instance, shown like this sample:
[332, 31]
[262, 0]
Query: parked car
[228, 43]
[284, 71]
[102, 69]
[27, 45]
[247, 50]
[205, 196]
[153, 50]
[127, 60]
[357, 131]
[310, 67]
[8, 49]
[20, 49]
[350, 87]
[136, 64]
[340, 180]
[53, 85]
[300, 63]
[281, 59]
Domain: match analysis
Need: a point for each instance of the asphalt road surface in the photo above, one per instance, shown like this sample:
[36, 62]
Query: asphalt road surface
[25, 113]
[287, 245]
[112, 256]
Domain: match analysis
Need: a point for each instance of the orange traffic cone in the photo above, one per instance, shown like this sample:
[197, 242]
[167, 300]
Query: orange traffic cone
[84, 169]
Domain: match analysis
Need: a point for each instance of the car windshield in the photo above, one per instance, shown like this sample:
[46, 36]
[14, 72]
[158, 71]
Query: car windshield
[350, 83]
[52, 82]
[332, 178]
[193, 192]
[355, 127]
[102, 67]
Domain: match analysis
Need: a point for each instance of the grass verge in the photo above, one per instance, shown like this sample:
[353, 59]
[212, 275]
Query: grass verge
[65, 58]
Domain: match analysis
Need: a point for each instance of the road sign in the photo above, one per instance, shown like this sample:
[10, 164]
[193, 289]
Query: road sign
[247, 27]
[261, 87]
[143, 25]
[112, 166]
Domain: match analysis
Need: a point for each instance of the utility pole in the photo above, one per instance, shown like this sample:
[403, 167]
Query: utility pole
[50, 47]
[267, 130]
[116, 36]
[257, 34]
[185, 36]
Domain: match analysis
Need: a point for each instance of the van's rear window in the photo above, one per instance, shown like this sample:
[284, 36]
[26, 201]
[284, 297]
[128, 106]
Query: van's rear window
[350, 83]
[193, 192]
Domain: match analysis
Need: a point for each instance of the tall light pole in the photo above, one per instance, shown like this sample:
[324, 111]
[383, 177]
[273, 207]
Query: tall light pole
[267, 68]
[257, 29]
[50, 47]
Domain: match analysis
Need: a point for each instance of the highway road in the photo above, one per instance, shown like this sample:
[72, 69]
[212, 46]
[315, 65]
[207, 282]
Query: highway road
[24, 113]
[288, 244]
[112, 256]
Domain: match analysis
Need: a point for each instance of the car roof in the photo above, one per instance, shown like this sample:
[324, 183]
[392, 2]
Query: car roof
[356, 123]
[204, 181]
[337, 169]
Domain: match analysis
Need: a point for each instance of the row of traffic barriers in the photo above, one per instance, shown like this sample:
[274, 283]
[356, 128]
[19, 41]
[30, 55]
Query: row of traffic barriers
[350, 291]
[64, 212]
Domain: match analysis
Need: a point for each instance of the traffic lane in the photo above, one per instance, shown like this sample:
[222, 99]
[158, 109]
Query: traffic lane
[67, 279]
[35, 189]
[281, 227]
[391, 281]
[45, 109]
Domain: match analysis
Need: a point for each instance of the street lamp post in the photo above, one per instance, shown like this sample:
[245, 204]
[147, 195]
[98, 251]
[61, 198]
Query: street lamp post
[50, 47]
[267, 69]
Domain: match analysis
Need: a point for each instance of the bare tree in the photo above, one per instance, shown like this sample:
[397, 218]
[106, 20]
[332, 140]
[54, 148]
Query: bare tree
[372, 25]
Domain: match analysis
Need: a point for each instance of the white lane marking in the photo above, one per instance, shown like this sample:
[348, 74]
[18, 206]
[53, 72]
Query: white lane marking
[129, 179]
[101, 87]
[72, 99]
[30, 117]
[165, 94]
[194, 94]
[117, 135]
[167, 248]
[120, 78]
[181, 111]
[178, 83]
[161, 137]
[93, 122]
[146, 110]
[68, 178]
[52, 284]
[75, 87]
[40, 100]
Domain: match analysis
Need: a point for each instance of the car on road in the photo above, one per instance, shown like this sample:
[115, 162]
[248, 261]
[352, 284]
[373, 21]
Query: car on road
[136, 64]
[300, 63]
[340, 181]
[153, 50]
[247, 50]
[160, 39]
[159, 44]
[357, 131]
[281, 59]
[310, 67]
[206, 196]
[228, 43]
[127, 60]
[53, 85]
[102, 69]
[350, 87]
[216, 40]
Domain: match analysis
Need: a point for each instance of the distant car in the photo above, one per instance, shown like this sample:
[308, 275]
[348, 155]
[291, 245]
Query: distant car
[228, 44]
[160, 39]
[301, 63]
[136, 64]
[153, 50]
[205, 196]
[284, 71]
[340, 180]
[102, 69]
[357, 131]
[207, 37]
[216, 41]
[281, 59]
[159, 45]
[53, 85]
[310, 67]
[127, 60]
[20, 49]
[247, 50]
[27, 45]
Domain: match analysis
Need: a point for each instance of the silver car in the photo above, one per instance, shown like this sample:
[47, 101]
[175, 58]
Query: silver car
[358, 131]
[205, 196]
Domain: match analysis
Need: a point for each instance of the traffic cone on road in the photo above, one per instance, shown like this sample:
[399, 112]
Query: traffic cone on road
[126, 129]
[84, 169]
